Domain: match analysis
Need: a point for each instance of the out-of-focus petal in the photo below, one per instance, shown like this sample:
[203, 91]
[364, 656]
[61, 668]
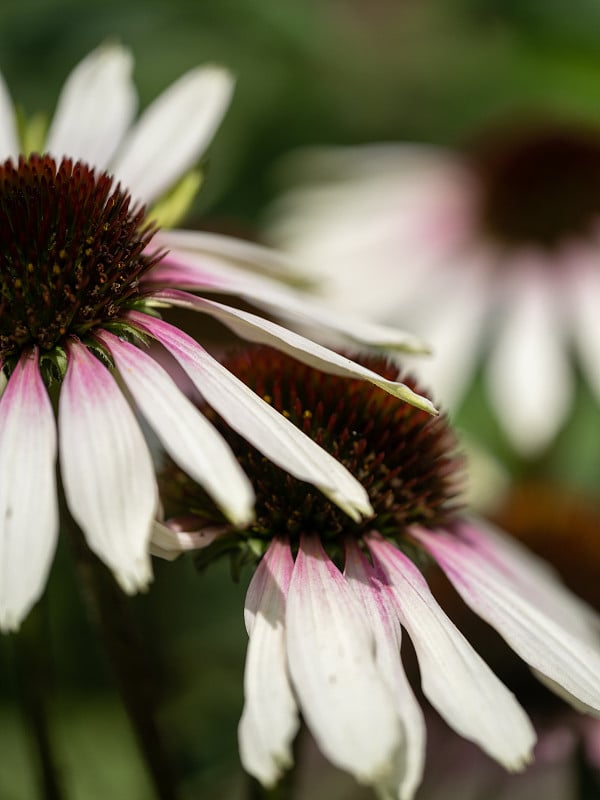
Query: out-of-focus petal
[9, 139]
[106, 469]
[583, 288]
[95, 108]
[268, 430]
[262, 331]
[545, 644]
[454, 678]
[173, 132]
[374, 598]
[28, 505]
[346, 703]
[185, 433]
[191, 270]
[529, 379]
[270, 718]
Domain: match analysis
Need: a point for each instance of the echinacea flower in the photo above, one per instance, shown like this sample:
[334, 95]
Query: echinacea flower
[84, 272]
[331, 597]
[490, 252]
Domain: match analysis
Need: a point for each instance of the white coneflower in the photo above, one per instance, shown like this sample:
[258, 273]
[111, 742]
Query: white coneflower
[494, 251]
[83, 273]
[331, 597]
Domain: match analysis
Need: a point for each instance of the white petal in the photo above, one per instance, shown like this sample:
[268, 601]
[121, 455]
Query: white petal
[9, 138]
[270, 718]
[233, 250]
[262, 331]
[169, 544]
[374, 598]
[106, 468]
[529, 377]
[173, 132]
[28, 505]
[345, 702]
[450, 313]
[185, 433]
[535, 578]
[95, 108]
[192, 270]
[454, 678]
[270, 432]
[528, 627]
[583, 288]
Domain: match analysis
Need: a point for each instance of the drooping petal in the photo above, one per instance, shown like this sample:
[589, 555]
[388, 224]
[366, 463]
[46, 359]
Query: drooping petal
[346, 703]
[95, 108]
[169, 544]
[270, 718]
[529, 377]
[28, 504]
[262, 331]
[535, 578]
[106, 468]
[529, 627]
[198, 271]
[366, 582]
[454, 678]
[173, 132]
[270, 432]
[9, 139]
[185, 433]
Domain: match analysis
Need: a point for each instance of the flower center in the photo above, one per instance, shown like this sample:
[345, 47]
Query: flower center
[72, 250]
[405, 459]
[540, 186]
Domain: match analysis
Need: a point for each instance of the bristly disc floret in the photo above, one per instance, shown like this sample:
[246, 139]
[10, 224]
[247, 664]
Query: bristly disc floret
[72, 251]
[405, 459]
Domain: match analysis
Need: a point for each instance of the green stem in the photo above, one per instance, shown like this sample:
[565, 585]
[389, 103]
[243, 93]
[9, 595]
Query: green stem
[31, 648]
[110, 613]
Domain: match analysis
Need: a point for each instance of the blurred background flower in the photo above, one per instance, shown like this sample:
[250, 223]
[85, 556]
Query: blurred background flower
[345, 73]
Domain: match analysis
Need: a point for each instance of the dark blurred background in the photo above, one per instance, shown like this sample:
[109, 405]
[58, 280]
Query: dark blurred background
[334, 71]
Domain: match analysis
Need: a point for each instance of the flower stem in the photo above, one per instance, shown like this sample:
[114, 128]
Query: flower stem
[31, 648]
[110, 613]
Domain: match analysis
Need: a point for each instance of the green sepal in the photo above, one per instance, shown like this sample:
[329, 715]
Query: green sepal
[173, 206]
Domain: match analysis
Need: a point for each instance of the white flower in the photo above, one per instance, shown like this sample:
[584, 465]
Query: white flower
[330, 600]
[83, 276]
[494, 254]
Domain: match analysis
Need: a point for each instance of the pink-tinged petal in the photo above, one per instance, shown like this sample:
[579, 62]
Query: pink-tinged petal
[95, 108]
[270, 718]
[454, 678]
[529, 377]
[28, 505]
[106, 468]
[233, 251]
[535, 578]
[270, 432]
[173, 132]
[262, 331]
[345, 701]
[9, 138]
[374, 598]
[528, 626]
[185, 433]
[191, 270]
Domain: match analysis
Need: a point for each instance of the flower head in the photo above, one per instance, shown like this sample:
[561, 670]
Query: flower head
[493, 251]
[329, 600]
[84, 273]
